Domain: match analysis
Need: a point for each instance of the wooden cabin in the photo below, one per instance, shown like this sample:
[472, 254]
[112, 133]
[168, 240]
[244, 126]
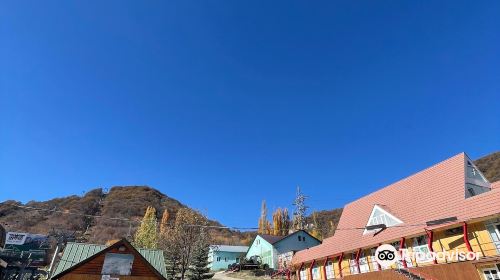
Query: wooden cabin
[119, 261]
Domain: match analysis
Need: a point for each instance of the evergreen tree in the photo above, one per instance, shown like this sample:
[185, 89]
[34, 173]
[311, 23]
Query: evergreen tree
[198, 268]
[146, 235]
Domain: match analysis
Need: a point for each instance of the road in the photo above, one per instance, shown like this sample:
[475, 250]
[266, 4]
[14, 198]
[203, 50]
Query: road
[223, 276]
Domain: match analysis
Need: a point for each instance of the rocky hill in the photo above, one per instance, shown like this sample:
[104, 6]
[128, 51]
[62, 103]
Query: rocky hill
[490, 166]
[128, 202]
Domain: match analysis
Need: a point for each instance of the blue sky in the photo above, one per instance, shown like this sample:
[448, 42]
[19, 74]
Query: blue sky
[221, 104]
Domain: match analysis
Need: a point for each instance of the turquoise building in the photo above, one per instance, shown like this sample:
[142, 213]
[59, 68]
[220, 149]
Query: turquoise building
[220, 256]
[273, 250]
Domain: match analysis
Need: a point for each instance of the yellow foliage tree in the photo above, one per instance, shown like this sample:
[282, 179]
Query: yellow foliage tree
[164, 222]
[278, 222]
[146, 235]
[263, 219]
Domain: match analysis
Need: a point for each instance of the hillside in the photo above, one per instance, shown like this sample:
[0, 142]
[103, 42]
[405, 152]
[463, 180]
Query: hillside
[119, 202]
[490, 166]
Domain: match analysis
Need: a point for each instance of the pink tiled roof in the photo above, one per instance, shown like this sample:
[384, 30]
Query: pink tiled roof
[434, 193]
[495, 185]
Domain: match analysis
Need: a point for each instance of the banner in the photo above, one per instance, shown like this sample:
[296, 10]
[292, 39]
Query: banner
[18, 245]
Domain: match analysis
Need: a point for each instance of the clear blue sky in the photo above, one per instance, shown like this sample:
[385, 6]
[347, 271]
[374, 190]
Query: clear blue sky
[221, 104]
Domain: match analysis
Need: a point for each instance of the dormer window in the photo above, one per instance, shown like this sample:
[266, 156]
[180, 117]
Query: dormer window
[380, 216]
[475, 182]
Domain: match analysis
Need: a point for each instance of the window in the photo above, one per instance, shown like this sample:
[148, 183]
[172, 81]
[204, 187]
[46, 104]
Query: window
[475, 182]
[315, 273]
[471, 191]
[363, 263]
[117, 264]
[304, 238]
[353, 266]
[225, 259]
[237, 260]
[218, 259]
[494, 231]
[374, 263]
[491, 273]
[330, 274]
[380, 216]
[421, 249]
[303, 274]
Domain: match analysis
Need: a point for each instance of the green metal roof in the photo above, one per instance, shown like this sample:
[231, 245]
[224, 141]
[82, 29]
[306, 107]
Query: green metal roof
[74, 253]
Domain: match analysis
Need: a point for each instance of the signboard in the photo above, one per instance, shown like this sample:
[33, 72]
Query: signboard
[21, 245]
[15, 238]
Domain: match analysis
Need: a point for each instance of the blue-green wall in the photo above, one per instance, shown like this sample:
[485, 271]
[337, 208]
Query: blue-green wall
[226, 258]
[269, 252]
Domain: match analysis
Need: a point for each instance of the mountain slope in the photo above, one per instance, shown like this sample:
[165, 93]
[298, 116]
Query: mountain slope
[490, 166]
[128, 202]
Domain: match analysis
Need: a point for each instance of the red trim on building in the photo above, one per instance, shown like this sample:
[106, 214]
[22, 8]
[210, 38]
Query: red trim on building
[430, 239]
[300, 269]
[341, 257]
[324, 267]
[401, 247]
[311, 270]
[466, 237]
[358, 253]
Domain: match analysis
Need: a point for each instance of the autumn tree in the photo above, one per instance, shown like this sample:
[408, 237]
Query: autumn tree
[164, 222]
[263, 222]
[268, 229]
[278, 222]
[285, 222]
[180, 240]
[146, 235]
[316, 227]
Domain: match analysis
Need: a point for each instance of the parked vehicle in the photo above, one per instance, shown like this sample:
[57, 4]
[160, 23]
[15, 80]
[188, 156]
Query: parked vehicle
[254, 262]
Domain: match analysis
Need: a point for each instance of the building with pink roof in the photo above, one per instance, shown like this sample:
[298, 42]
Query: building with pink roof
[447, 207]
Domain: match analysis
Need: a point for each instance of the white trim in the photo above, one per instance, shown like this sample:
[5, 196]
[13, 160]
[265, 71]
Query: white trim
[376, 207]
[493, 269]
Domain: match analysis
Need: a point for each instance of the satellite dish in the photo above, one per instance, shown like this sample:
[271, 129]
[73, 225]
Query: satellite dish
[3, 236]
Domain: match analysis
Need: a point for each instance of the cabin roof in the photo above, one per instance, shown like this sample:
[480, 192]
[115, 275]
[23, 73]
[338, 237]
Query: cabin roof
[76, 253]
